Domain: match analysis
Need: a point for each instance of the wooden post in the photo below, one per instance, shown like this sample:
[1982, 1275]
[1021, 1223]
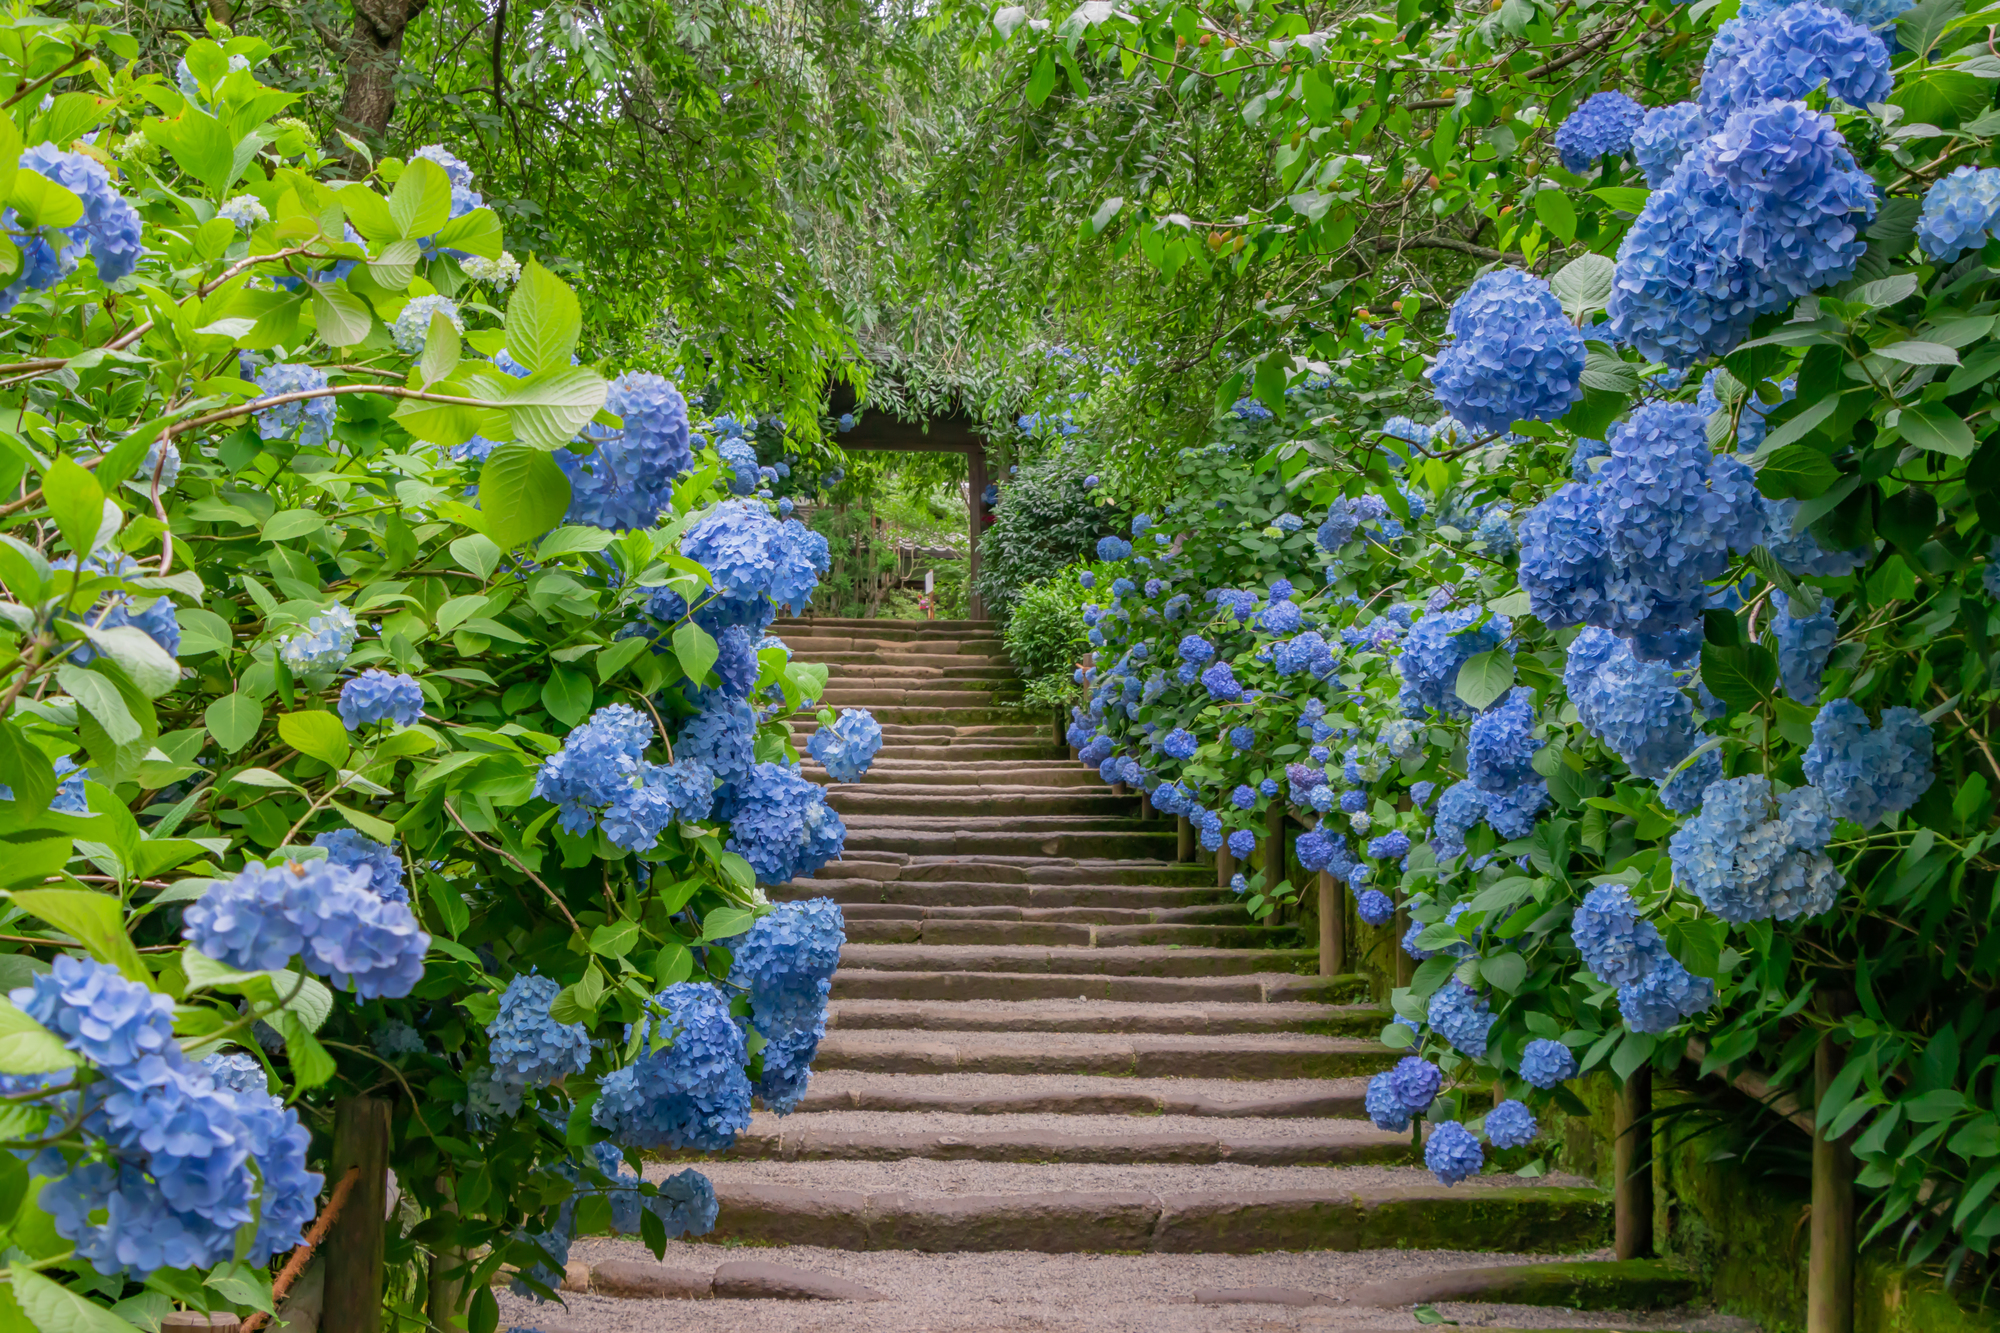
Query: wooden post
[1145, 806]
[1332, 925]
[975, 469]
[1185, 851]
[1830, 1271]
[1274, 846]
[1225, 865]
[354, 1267]
[1406, 966]
[1632, 1165]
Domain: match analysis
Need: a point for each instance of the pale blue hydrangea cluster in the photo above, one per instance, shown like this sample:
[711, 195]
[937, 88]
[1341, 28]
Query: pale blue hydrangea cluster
[312, 418]
[1496, 532]
[109, 226]
[1633, 550]
[1462, 1018]
[1461, 806]
[162, 462]
[1960, 212]
[413, 323]
[627, 480]
[356, 851]
[601, 775]
[1869, 772]
[1374, 906]
[194, 1164]
[1500, 751]
[1398, 1094]
[1664, 997]
[1636, 708]
[1750, 858]
[749, 554]
[1803, 643]
[1803, 48]
[529, 1049]
[264, 917]
[463, 197]
[1603, 124]
[1800, 553]
[786, 961]
[1618, 945]
[688, 1089]
[1511, 354]
[1438, 644]
[848, 747]
[246, 211]
[157, 619]
[1546, 1062]
[1511, 1125]
[741, 460]
[1179, 744]
[780, 823]
[1752, 218]
[1665, 136]
[1453, 1154]
[381, 696]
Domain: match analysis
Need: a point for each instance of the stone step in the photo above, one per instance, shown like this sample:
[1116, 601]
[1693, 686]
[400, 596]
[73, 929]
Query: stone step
[1252, 1055]
[985, 802]
[1048, 835]
[1041, 775]
[944, 669]
[1022, 897]
[1021, 870]
[1057, 934]
[970, 750]
[1227, 911]
[1232, 986]
[1342, 1020]
[1630, 1284]
[865, 1136]
[975, 713]
[830, 649]
[1083, 1094]
[878, 696]
[918, 1204]
[1111, 961]
[1015, 728]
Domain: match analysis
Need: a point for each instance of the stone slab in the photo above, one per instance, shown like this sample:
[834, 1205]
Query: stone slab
[627, 1280]
[761, 1280]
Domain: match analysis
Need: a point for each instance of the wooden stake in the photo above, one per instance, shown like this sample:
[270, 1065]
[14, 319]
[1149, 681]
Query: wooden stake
[354, 1267]
[1830, 1271]
[1184, 852]
[1632, 1165]
[303, 1252]
[1406, 966]
[1225, 865]
[1274, 847]
[1332, 925]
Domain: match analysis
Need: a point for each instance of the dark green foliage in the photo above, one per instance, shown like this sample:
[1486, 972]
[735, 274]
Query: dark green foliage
[1045, 521]
[1046, 634]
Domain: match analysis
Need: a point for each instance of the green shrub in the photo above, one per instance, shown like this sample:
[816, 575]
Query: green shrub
[1045, 634]
[1045, 521]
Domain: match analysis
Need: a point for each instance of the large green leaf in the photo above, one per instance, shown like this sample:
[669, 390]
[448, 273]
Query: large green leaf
[543, 321]
[75, 501]
[421, 201]
[548, 409]
[93, 920]
[233, 720]
[320, 735]
[1484, 678]
[522, 493]
[100, 697]
[26, 1047]
[53, 1308]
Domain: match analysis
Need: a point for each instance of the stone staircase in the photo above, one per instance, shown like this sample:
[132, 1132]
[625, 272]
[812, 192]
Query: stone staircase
[1068, 1084]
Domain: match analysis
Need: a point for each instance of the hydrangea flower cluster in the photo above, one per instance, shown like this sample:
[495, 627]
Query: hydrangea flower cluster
[786, 961]
[1546, 1062]
[412, 328]
[1511, 1125]
[627, 480]
[688, 1088]
[1960, 212]
[1618, 945]
[1804, 644]
[1603, 124]
[1398, 1094]
[1866, 772]
[1750, 858]
[780, 823]
[109, 226]
[1636, 708]
[601, 774]
[356, 851]
[157, 620]
[1501, 748]
[1665, 136]
[1663, 997]
[190, 1160]
[312, 418]
[1438, 644]
[529, 1048]
[1633, 550]
[1512, 354]
[1803, 48]
[848, 747]
[265, 916]
[1462, 1018]
[381, 696]
[1453, 1154]
[1374, 906]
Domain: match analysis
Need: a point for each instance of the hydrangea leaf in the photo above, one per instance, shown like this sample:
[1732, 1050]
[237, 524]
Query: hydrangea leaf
[317, 734]
[421, 201]
[1484, 678]
[1797, 472]
[522, 493]
[26, 1047]
[234, 720]
[93, 920]
[53, 1308]
[543, 321]
[1936, 427]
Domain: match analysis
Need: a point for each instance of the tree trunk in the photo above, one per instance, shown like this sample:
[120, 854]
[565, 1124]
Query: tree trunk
[373, 54]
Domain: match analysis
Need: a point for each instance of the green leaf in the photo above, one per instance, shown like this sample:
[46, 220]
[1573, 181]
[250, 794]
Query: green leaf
[1484, 678]
[1105, 212]
[567, 695]
[146, 664]
[52, 1308]
[342, 318]
[321, 735]
[1740, 677]
[451, 905]
[726, 923]
[1042, 81]
[442, 349]
[30, 858]
[1583, 284]
[547, 410]
[26, 769]
[1936, 427]
[1796, 472]
[233, 720]
[26, 1047]
[476, 233]
[93, 920]
[614, 939]
[543, 321]
[695, 649]
[40, 202]
[1624, 198]
[366, 824]
[293, 523]
[571, 540]
[477, 554]
[523, 494]
[421, 201]
[75, 501]
[1505, 971]
[1557, 214]
[96, 695]
[1915, 352]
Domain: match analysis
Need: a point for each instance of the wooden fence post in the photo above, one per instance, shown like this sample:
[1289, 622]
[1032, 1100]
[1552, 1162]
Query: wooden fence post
[1830, 1271]
[1406, 966]
[1632, 1165]
[1274, 847]
[1184, 851]
[1332, 925]
[1225, 865]
[354, 1266]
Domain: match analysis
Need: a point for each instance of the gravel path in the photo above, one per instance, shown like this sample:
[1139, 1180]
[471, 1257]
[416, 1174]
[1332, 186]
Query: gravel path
[918, 1175]
[1132, 1126]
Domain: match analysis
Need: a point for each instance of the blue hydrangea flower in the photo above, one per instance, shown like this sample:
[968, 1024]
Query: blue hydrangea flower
[1242, 737]
[1800, 552]
[786, 961]
[1802, 48]
[323, 644]
[1511, 354]
[1439, 644]
[1244, 797]
[1603, 124]
[780, 823]
[1618, 945]
[1749, 858]
[1241, 843]
[1866, 772]
[157, 620]
[1337, 528]
[1636, 708]
[1113, 548]
[1804, 644]
[1208, 825]
[1195, 649]
[1453, 1154]
[265, 916]
[1462, 1018]
[626, 481]
[1399, 1093]
[312, 418]
[737, 543]
[1663, 997]
[688, 1089]
[528, 1047]
[345, 847]
[413, 323]
[1390, 846]
[1353, 802]
[848, 747]
[1220, 682]
[109, 226]
[1500, 750]
[376, 696]
[1288, 523]
[1250, 410]
[1314, 849]
[1546, 1062]
[1682, 792]
[1664, 136]
[396, 1038]
[1960, 212]
[1511, 1125]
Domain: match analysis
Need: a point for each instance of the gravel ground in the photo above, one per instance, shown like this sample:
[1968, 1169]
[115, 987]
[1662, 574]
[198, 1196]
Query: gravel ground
[1018, 1085]
[918, 1175]
[1247, 1129]
[1047, 1293]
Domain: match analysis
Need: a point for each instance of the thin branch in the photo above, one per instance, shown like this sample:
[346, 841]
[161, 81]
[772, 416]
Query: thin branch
[561, 906]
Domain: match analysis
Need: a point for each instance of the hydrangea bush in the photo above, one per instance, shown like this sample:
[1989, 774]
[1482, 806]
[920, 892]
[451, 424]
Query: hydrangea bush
[389, 708]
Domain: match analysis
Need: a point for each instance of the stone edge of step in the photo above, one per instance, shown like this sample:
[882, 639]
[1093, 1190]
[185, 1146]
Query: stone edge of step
[742, 1280]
